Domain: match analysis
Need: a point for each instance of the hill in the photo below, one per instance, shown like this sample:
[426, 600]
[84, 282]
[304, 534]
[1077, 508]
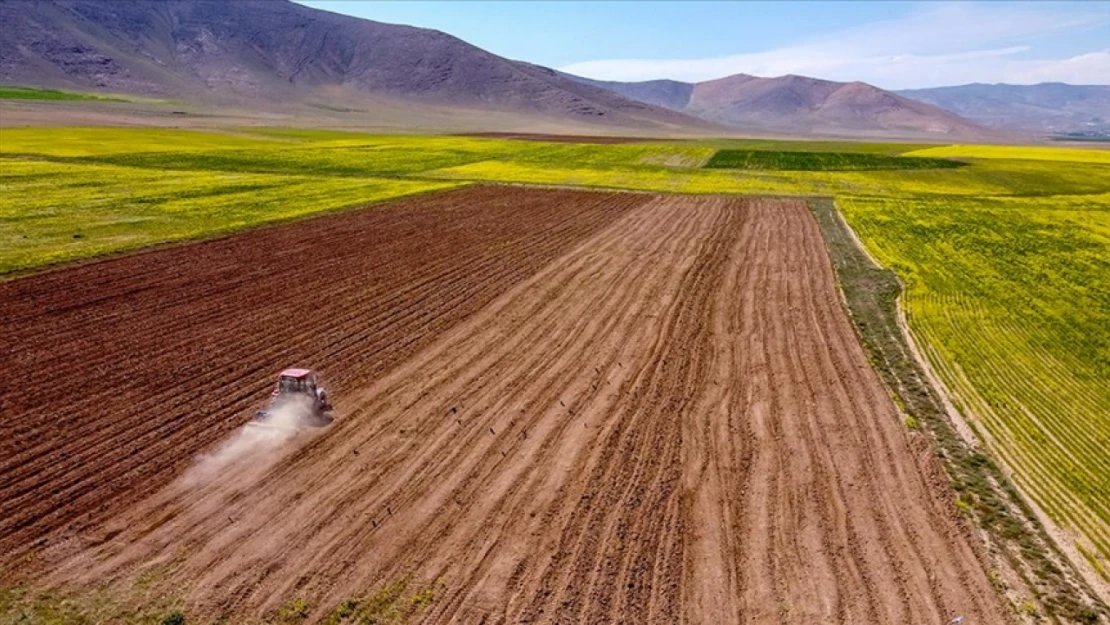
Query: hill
[275, 53]
[799, 105]
[1047, 107]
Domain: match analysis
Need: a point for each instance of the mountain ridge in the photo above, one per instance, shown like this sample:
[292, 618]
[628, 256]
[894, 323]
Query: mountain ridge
[798, 103]
[263, 52]
[275, 54]
[1051, 107]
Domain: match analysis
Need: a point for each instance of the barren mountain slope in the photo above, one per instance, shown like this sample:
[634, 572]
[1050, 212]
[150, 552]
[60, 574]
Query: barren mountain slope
[265, 52]
[799, 105]
[820, 106]
[1047, 107]
[672, 94]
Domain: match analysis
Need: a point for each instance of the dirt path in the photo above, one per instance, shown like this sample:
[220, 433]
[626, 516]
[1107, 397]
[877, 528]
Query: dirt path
[671, 420]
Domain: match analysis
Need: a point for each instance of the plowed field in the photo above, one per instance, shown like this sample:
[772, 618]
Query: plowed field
[553, 407]
[130, 367]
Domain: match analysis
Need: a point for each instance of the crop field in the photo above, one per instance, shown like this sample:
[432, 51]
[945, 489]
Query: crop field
[1011, 296]
[11, 92]
[552, 405]
[52, 212]
[493, 351]
[66, 193]
[387, 158]
[821, 161]
[1078, 155]
[61, 142]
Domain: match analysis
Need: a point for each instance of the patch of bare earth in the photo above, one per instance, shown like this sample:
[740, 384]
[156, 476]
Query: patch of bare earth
[668, 419]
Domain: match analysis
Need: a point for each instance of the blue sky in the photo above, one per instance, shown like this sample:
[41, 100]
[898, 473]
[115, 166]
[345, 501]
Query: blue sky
[894, 45]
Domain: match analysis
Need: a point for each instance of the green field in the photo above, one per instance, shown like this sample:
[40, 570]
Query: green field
[1011, 298]
[8, 92]
[1005, 257]
[821, 161]
[795, 145]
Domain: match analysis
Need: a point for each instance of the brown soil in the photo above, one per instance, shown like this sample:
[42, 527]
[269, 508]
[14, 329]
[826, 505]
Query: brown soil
[129, 367]
[668, 420]
[556, 138]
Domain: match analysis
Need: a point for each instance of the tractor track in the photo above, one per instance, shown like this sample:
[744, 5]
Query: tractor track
[656, 411]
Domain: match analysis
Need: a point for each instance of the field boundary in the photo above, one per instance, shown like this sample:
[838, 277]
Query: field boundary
[1025, 563]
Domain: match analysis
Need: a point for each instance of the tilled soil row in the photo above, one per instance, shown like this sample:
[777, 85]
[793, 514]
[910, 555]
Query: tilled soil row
[122, 371]
[670, 422]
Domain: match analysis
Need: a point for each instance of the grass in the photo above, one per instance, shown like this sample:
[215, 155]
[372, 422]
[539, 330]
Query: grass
[21, 606]
[10, 92]
[821, 161]
[392, 603]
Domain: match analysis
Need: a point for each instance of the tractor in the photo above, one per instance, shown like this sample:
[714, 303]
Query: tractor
[299, 398]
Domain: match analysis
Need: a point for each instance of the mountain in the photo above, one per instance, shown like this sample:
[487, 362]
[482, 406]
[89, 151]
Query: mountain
[798, 105]
[272, 53]
[1047, 107]
[671, 94]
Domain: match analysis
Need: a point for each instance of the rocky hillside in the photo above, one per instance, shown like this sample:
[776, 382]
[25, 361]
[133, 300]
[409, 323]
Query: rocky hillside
[262, 52]
[1056, 108]
[799, 105]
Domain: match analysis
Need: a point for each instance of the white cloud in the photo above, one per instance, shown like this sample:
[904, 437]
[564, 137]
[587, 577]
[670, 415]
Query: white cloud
[944, 44]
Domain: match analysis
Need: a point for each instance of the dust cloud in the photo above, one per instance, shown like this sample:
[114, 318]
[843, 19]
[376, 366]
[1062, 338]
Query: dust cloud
[255, 444]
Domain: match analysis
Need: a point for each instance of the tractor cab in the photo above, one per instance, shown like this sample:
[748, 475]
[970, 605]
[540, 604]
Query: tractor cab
[299, 381]
[292, 386]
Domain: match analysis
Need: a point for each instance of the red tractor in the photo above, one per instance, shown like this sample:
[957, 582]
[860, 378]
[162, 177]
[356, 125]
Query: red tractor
[298, 390]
